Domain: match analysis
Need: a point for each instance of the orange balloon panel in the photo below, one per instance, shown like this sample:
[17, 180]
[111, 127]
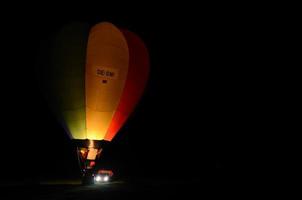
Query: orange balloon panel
[106, 72]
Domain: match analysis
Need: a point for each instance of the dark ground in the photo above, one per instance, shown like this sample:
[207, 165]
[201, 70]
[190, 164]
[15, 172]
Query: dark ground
[71, 189]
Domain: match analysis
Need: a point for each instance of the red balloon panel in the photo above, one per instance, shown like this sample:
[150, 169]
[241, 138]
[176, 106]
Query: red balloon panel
[137, 76]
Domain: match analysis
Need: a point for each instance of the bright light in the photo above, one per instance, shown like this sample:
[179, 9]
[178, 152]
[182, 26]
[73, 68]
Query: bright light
[98, 178]
[91, 144]
[106, 178]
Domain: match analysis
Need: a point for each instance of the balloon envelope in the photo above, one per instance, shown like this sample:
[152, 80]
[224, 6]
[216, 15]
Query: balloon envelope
[95, 78]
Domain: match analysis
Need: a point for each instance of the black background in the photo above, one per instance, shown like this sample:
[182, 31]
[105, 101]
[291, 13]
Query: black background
[200, 109]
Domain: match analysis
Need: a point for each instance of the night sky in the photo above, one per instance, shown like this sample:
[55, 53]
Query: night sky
[198, 101]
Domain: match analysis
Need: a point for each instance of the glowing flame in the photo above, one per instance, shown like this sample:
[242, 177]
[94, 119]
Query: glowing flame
[91, 144]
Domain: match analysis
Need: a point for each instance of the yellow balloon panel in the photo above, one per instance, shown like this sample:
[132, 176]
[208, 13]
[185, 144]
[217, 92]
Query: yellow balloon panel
[106, 72]
[61, 75]
[75, 125]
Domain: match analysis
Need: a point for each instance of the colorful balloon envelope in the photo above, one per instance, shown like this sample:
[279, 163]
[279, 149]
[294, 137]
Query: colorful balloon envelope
[95, 77]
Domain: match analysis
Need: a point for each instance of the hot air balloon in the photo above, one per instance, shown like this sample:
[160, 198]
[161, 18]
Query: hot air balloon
[93, 77]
